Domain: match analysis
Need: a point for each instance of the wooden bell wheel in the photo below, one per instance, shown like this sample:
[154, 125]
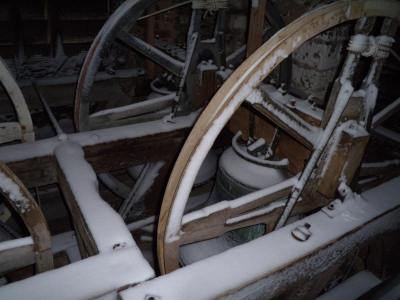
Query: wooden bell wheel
[176, 61]
[118, 30]
[175, 229]
[22, 129]
[20, 252]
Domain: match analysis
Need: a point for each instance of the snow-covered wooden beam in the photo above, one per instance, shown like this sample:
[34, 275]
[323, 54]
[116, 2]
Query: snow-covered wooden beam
[87, 279]
[342, 158]
[260, 207]
[297, 128]
[271, 264]
[100, 229]
[15, 254]
[106, 149]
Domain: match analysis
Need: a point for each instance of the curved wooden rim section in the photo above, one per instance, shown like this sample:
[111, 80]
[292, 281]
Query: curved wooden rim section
[124, 16]
[18, 100]
[232, 94]
[31, 215]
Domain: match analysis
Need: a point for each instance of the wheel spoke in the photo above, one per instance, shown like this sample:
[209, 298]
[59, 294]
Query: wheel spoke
[135, 109]
[164, 60]
[386, 113]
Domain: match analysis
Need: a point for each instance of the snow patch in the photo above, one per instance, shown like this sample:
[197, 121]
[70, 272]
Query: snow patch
[46, 147]
[14, 193]
[265, 256]
[106, 226]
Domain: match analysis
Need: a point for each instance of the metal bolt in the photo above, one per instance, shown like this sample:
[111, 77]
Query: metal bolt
[302, 232]
[152, 297]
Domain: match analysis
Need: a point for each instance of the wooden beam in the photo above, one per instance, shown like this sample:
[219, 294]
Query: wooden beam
[13, 258]
[104, 157]
[256, 26]
[86, 242]
[345, 160]
[304, 139]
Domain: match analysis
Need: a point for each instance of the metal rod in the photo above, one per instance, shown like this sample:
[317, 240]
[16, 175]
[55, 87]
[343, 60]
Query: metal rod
[343, 98]
[133, 196]
[164, 10]
[141, 223]
[50, 114]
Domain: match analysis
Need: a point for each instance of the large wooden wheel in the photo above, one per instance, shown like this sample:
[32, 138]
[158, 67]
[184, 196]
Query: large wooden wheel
[174, 229]
[20, 252]
[120, 21]
[22, 129]
[118, 30]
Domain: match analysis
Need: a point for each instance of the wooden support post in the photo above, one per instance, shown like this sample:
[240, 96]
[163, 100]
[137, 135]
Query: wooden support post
[255, 39]
[16, 257]
[207, 88]
[344, 161]
[37, 170]
[256, 26]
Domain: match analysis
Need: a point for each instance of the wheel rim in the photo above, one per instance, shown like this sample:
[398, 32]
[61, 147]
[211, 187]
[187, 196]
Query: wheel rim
[233, 93]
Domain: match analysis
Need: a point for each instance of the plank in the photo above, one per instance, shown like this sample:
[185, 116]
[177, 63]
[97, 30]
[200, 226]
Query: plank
[16, 256]
[103, 156]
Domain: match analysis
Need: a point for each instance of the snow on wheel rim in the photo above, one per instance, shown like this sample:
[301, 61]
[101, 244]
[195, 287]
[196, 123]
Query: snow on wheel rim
[20, 199]
[234, 91]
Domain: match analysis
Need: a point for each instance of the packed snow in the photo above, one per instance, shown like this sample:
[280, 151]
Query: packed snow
[14, 193]
[7, 245]
[46, 147]
[353, 287]
[106, 226]
[247, 263]
[86, 279]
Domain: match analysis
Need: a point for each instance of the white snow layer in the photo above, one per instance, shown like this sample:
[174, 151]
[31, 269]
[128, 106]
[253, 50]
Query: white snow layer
[13, 191]
[244, 264]
[11, 244]
[106, 226]
[291, 101]
[205, 212]
[86, 279]
[46, 147]
[353, 287]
